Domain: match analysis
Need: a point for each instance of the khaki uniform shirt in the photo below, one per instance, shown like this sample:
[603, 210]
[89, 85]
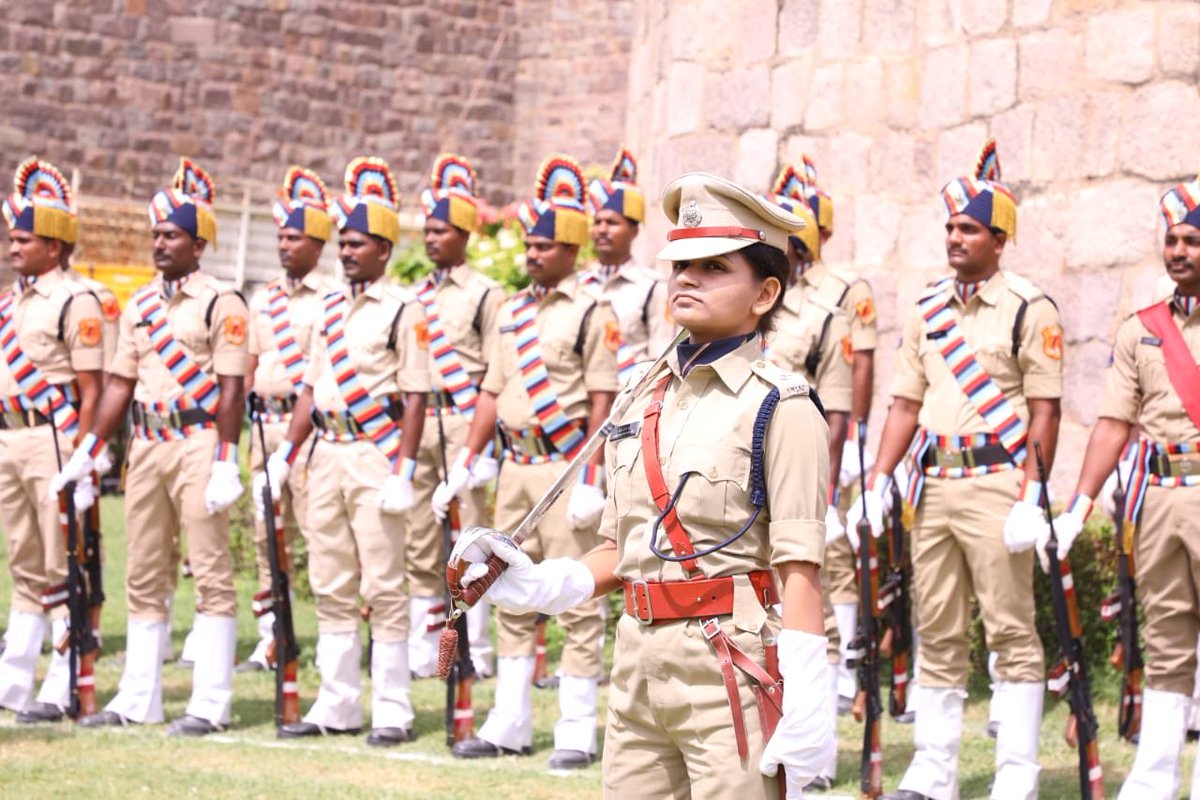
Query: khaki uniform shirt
[853, 295]
[1137, 389]
[467, 304]
[110, 313]
[560, 318]
[987, 326]
[807, 329]
[306, 309]
[36, 313]
[638, 296]
[382, 370]
[706, 428]
[218, 348]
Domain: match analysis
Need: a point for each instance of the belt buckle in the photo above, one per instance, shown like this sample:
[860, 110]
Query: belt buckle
[710, 627]
[951, 459]
[1186, 467]
[637, 606]
[13, 419]
[155, 420]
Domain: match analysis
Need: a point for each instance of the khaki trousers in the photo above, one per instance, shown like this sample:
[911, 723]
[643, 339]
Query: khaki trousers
[958, 548]
[353, 547]
[164, 493]
[670, 729]
[37, 551]
[840, 565]
[1167, 560]
[519, 489]
[426, 550]
[294, 500]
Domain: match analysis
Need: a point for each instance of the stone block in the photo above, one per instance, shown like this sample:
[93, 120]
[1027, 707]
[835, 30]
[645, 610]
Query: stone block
[1179, 39]
[1049, 62]
[798, 26]
[983, 17]
[1076, 136]
[1155, 121]
[892, 161]
[825, 99]
[993, 82]
[756, 23]
[1040, 249]
[839, 250]
[943, 94]
[1113, 222]
[709, 152]
[941, 22]
[789, 92]
[738, 98]
[844, 166]
[867, 103]
[1013, 132]
[1121, 44]
[757, 156]
[839, 28]
[1031, 13]
[876, 230]
[900, 76]
[194, 31]
[685, 97]
[889, 26]
[921, 243]
[958, 151]
[1084, 366]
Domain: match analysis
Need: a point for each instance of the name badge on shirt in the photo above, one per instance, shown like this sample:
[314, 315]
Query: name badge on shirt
[508, 328]
[626, 431]
[933, 335]
[1153, 341]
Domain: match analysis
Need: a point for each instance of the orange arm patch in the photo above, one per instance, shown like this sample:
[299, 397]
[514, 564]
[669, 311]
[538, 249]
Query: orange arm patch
[1052, 342]
[422, 331]
[89, 332]
[612, 336]
[234, 330]
[847, 350]
[865, 311]
[110, 309]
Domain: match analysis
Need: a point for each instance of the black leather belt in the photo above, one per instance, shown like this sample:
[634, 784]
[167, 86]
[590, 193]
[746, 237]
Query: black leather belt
[986, 456]
[282, 404]
[340, 423]
[1177, 465]
[176, 419]
[29, 418]
[533, 441]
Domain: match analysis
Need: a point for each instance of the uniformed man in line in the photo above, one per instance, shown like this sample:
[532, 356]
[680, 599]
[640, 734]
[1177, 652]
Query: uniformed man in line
[181, 358]
[461, 305]
[550, 380]
[365, 387]
[851, 293]
[636, 292]
[812, 338]
[978, 381]
[1152, 383]
[282, 316]
[51, 340]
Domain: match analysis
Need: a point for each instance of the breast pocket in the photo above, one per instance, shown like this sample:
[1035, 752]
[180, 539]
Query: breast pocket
[1152, 366]
[624, 454]
[191, 332]
[999, 362]
[716, 491]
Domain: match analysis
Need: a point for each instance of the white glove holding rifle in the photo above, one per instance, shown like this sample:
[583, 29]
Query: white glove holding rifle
[551, 587]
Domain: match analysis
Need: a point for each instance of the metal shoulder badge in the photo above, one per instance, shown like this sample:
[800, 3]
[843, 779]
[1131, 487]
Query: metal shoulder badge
[789, 383]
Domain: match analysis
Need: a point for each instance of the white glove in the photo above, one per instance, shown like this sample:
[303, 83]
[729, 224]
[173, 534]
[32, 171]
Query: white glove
[1024, 527]
[257, 481]
[1125, 466]
[447, 490]
[875, 509]
[278, 470]
[805, 739]
[851, 468]
[483, 472]
[834, 529]
[551, 587]
[224, 486]
[103, 462]
[585, 507]
[396, 495]
[78, 468]
[85, 494]
[1067, 527]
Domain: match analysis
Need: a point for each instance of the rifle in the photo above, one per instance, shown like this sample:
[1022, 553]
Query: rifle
[868, 707]
[896, 642]
[92, 558]
[1069, 677]
[460, 711]
[284, 652]
[1121, 607]
[80, 643]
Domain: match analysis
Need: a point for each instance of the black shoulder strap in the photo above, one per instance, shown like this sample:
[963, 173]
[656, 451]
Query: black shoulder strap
[62, 315]
[393, 333]
[477, 321]
[208, 312]
[813, 360]
[1019, 322]
[646, 305]
[842, 297]
[582, 335]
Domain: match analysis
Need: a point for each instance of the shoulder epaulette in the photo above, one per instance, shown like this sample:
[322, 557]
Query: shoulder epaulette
[1022, 287]
[789, 383]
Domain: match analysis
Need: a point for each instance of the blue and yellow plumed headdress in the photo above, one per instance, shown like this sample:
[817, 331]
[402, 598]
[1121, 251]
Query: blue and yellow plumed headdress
[1181, 204]
[620, 193]
[41, 202]
[303, 203]
[820, 203]
[188, 203]
[790, 192]
[982, 197]
[452, 193]
[557, 211]
[371, 200]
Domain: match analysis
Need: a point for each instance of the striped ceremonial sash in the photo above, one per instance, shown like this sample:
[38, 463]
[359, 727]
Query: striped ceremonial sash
[567, 438]
[976, 384]
[45, 397]
[285, 339]
[366, 410]
[455, 379]
[625, 357]
[201, 390]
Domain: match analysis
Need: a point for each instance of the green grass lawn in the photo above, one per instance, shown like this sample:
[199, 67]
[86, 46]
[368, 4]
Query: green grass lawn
[249, 762]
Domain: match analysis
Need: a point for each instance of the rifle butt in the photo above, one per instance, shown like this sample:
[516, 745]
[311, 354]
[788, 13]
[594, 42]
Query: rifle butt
[85, 685]
[464, 710]
[289, 705]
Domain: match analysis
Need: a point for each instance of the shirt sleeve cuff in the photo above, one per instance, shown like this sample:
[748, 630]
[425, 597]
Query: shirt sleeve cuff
[1043, 387]
[797, 540]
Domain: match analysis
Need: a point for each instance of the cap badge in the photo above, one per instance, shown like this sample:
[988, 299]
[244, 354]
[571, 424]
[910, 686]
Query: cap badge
[691, 215]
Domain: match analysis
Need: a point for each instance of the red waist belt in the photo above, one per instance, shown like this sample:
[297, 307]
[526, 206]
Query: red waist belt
[650, 602]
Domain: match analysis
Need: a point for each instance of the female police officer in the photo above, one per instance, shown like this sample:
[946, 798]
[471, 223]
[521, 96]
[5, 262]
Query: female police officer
[714, 528]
